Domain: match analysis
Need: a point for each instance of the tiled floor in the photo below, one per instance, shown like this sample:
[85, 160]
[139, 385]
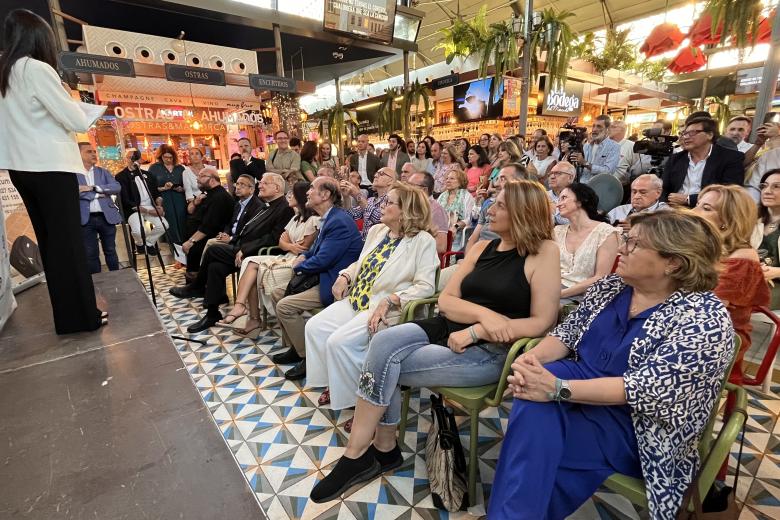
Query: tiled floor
[284, 442]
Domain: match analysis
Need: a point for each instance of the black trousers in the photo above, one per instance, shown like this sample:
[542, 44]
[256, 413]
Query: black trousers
[52, 202]
[195, 254]
[218, 262]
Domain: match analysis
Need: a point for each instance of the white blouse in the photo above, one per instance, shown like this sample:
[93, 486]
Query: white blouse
[581, 264]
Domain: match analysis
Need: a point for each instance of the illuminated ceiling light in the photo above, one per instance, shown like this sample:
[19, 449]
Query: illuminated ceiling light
[196, 125]
[587, 118]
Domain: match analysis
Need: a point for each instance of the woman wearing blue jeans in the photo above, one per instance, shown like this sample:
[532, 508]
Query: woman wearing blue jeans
[486, 306]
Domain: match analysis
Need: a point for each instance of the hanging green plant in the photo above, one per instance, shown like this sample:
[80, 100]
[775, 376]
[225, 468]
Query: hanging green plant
[387, 120]
[652, 70]
[739, 18]
[337, 118]
[463, 38]
[501, 47]
[416, 93]
[618, 52]
[555, 37]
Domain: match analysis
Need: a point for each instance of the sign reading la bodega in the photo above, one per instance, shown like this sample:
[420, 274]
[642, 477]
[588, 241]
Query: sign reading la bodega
[199, 75]
[563, 102]
[96, 64]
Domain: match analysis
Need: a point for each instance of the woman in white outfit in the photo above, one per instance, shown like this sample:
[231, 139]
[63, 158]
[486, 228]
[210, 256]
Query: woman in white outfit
[260, 275]
[397, 265]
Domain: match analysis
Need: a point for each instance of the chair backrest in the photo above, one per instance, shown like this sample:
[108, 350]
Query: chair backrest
[443, 256]
[609, 190]
[707, 436]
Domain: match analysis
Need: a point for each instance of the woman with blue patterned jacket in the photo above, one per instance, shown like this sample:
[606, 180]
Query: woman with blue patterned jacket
[626, 384]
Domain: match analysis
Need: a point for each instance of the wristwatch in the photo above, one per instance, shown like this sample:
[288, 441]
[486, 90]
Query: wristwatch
[562, 390]
[191, 241]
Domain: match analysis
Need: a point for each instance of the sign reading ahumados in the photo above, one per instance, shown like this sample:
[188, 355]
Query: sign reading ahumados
[96, 64]
[563, 102]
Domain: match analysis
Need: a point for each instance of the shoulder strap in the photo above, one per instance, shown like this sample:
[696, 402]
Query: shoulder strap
[273, 156]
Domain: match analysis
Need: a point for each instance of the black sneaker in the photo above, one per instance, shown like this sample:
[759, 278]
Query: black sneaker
[347, 473]
[140, 250]
[388, 460]
[152, 250]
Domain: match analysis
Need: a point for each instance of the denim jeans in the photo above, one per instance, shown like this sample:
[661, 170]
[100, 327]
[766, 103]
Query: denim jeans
[402, 355]
[97, 225]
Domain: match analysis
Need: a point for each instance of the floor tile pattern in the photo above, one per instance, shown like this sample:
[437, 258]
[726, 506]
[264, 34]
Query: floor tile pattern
[284, 442]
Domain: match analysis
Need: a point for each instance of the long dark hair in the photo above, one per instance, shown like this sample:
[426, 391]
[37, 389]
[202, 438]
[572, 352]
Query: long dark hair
[588, 200]
[427, 150]
[25, 34]
[309, 152]
[763, 211]
[482, 160]
[299, 190]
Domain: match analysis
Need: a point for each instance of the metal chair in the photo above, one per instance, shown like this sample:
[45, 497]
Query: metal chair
[765, 368]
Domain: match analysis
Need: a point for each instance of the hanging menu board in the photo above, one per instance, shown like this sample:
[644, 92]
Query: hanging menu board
[368, 19]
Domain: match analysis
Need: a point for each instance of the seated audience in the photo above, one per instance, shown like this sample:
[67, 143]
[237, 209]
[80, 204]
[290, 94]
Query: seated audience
[210, 217]
[769, 225]
[396, 266]
[424, 181]
[450, 160]
[543, 160]
[309, 153]
[221, 259]
[370, 209]
[139, 195]
[478, 169]
[395, 155]
[458, 203]
[190, 177]
[561, 176]
[437, 167]
[510, 172]
[504, 290]
[507, 153]
[261, 275]
[326, 157]
[758, 164]
[645, 195]
[699, 164]
[492, 149]
[422, 160]
[337, 246]
[244, 209]
[624, 384]
[407, 170]
[588, 245]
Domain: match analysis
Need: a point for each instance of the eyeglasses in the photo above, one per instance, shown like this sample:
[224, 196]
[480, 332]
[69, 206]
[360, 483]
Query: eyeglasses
[388, 202]
[245, 184]
[690, 133]
[628, 244]
[555, 174]
[773, 186]
[382, 174]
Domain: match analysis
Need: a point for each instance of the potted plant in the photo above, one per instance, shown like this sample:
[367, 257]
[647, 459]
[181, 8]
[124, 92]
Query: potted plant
[738, 18]
[652, 70]
[618, 52]
[386, 120]
[463, 38]
[417, 92]
[554, 37]
[500, 46]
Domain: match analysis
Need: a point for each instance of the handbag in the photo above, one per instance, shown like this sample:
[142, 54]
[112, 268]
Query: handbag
[445, 460]
[731, 510]
[301, 282]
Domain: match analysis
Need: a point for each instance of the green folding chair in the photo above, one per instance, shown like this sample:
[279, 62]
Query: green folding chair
[473, 399]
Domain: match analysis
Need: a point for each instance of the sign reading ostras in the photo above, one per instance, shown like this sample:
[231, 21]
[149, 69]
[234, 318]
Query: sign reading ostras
[174, 114]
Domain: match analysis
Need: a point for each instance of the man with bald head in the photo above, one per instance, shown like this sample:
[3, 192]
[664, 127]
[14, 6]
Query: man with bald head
[645, 194]
[338, 244]
[370, 209]
[364, 162]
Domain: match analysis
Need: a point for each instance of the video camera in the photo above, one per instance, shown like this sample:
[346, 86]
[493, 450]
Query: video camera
[574, 135]
[657, 146]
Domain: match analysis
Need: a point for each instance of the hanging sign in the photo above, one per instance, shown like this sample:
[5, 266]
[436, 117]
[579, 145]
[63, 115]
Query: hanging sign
[96, 64]
[272, 83]
[446, 81]
[563, 102]
[199, 75]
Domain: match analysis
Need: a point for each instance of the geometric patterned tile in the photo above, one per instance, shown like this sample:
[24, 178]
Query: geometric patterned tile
[283, 442]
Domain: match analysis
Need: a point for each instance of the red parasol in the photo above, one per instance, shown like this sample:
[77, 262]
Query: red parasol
[689, 59]
[701, 31]
[665, 37]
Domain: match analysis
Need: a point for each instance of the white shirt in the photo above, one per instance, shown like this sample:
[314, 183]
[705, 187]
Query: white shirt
[627, 159]
[146, 200]
[620, 213]
[94, 205]
[362, 162]
[744, 146]
[692, 183]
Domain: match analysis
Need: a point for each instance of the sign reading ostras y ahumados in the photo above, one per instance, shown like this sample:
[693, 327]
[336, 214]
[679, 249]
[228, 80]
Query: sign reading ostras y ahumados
[563, 102]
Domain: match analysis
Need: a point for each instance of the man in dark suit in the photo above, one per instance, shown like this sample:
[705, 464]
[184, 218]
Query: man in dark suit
[337, 246]
[395, 156]
[701, 163]
[219, 260]
[211, 215]
[245, 165]
[99, 214]
[364, 162]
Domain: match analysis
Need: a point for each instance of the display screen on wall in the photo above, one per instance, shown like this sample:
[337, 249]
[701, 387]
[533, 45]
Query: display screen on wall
[472, 100]
[368, 19]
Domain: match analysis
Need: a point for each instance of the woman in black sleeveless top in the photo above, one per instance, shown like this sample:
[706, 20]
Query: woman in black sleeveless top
[486, 306]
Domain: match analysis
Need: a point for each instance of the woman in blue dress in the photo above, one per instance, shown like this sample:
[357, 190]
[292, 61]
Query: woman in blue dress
[169, 175]
[626, 384]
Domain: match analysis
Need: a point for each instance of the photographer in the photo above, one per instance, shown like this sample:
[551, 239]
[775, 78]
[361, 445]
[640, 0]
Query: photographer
[700, 164]
[600, 156]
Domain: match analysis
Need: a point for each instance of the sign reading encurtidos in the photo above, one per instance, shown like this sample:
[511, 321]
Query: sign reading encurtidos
[566, 102]
[197, 75]
[272, 83]
[96, 64]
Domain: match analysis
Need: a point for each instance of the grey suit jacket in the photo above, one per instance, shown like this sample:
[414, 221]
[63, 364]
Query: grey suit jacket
[402, 159]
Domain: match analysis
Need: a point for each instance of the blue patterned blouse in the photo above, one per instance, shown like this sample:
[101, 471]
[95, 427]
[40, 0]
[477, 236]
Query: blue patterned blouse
[372, 265]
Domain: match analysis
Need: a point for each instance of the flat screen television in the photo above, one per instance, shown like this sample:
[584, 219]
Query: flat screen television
[372, 20]
[472, 100]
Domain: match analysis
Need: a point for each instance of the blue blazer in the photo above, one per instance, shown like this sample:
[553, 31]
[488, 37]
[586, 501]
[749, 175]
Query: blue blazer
[337, 246]
[107, 185]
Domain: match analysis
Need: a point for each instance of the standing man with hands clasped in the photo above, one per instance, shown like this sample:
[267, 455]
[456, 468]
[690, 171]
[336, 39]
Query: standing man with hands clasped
[99, 214]
[245, 165]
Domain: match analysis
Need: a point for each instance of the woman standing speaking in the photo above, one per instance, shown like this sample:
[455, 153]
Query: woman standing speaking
[38, 146]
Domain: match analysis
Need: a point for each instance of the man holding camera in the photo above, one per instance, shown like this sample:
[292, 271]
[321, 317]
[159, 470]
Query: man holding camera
[700, 164]
[140, 195]
[763, 156]
[601, 155]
